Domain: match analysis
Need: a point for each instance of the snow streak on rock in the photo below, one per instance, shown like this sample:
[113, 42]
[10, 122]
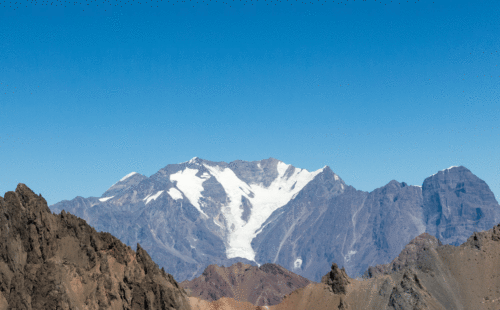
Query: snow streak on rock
[264, 200]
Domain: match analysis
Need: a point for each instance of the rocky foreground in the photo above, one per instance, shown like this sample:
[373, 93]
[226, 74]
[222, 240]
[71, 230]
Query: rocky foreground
[52, 261]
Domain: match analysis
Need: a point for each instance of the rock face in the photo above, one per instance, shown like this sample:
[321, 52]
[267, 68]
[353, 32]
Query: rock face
[194, 214]
[262, 286]
[336, 279]
[52, 261]
[407, 294]
[410, 254]
[455, 194]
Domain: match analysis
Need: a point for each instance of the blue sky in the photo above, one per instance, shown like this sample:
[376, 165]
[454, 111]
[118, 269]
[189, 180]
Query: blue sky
[377, 90]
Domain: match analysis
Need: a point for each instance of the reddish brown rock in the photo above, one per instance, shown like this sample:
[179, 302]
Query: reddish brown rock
[262, 286]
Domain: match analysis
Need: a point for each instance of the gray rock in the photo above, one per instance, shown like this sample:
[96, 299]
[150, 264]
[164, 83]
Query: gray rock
[457, 203]
[408, 293]
[121, 186]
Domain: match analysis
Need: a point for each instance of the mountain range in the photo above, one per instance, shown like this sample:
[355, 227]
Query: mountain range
[197, 213]
[58, 261]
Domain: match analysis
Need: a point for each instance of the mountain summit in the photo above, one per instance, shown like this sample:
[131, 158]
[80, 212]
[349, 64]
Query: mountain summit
[199, 212]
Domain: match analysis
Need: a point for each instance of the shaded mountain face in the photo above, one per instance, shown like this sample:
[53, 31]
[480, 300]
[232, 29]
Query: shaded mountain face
[52, 261]
[198, 213]
[455, 194]
[261, 286]
[357, 229]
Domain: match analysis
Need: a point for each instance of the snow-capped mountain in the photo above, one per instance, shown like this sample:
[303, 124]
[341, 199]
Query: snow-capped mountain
[199, 212]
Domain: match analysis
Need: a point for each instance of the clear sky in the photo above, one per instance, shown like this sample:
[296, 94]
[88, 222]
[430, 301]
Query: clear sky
[377, 90]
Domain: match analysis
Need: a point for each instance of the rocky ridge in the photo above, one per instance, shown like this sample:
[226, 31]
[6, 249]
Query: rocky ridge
[52, 261]
[410, 254]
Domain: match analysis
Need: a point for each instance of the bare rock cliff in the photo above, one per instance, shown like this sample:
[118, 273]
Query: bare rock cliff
[50, 261]
[409, 256]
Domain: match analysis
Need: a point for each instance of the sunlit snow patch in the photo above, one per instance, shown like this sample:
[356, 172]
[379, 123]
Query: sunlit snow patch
[174, 193]
[105, 199]
[446, 169]
[348, 256]
[190, 185]
[192, 160]
[297, 263]
[127, 176]
[152, 197]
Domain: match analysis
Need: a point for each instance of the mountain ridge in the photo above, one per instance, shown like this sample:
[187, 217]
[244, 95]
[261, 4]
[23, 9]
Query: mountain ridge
[50, 261]
[319, 218]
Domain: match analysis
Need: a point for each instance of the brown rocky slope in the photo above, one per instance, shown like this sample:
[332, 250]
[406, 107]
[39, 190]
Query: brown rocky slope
[261, 286]
[426, 275]
[52, 261]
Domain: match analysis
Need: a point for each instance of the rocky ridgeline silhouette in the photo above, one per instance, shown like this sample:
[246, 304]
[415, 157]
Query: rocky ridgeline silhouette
[50, 261]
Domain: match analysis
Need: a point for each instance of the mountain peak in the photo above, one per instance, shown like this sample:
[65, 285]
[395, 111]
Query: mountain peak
[452, 169]
[456, 193]
[194, 160]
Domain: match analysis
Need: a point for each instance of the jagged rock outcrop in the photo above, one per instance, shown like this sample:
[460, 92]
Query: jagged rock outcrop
[410, 254]
[408, 293]
[52, 261]
[262, 286]
[478, 239]
[337, 279]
